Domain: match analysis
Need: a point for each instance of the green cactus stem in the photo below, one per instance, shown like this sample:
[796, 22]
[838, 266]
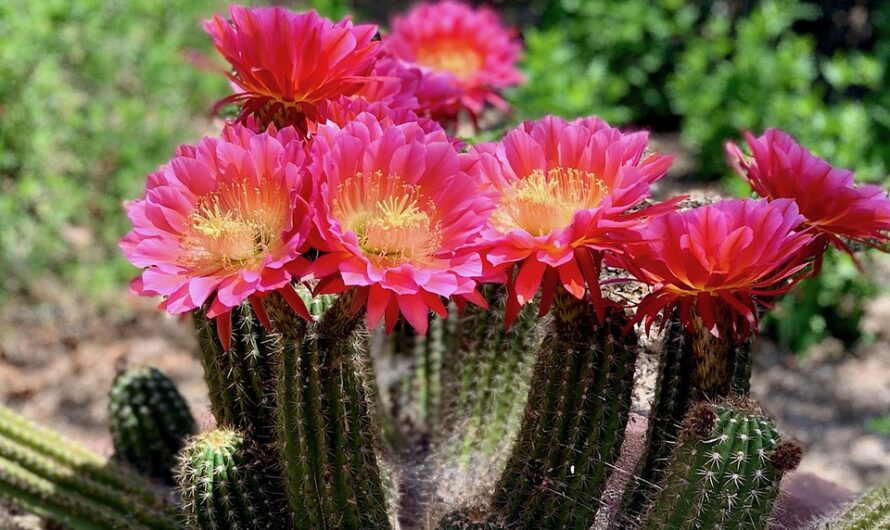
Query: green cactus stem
[241, 381]
[868, 512]
[468, 520]
[150, 421]
[574, 420]
[496, 363]
[685, 360]
[725, 472]
[45, 474]
[328, 440]
[219, 489]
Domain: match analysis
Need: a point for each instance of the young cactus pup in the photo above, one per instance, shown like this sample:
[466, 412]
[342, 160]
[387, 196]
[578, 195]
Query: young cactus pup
[218, 487]
[574, 420]
[150, 421]
[725, 472]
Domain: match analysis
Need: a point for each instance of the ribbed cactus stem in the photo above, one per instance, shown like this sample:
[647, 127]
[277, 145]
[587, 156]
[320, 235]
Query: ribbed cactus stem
[63, 482]
[466, 520]
[724, 473]
[150, 421]
[328, 441]
[241, 381]
[686, 363]
[574, 420]
[868, 512]
[219, 489]
[721, 365]
[496, 364]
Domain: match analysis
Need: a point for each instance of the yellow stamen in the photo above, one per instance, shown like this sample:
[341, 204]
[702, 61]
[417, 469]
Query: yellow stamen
[394, 222]
[233, 227]
[450, 56]
[542, 202]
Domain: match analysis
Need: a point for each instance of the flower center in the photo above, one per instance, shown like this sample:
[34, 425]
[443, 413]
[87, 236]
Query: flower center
[394, 221]
[233, 227]
[451, 56]
[543, 202]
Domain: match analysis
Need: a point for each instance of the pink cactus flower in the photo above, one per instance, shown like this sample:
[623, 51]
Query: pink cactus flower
[395, 210]
[466, 54]
[223, 222]
[829, 199]
[718, 263]
[563, 191]
[286, 64]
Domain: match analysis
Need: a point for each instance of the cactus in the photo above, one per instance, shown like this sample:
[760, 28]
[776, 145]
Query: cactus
[677, 388]
[150, 421]
[496, 362]
[466, 520]
[219, 488]
[327, 437]
[870, 511]
[242, 380]
[725, 471]
[574, 420]
[56, 479]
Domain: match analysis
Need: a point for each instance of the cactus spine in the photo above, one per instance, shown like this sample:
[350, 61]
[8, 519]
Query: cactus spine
[328, 440]
[574, 421]
[219, 488]
[870, 511]
[150, 421]
[241, 381]
[467, 521]
[725, 472]
[496, 364]
[56, 479]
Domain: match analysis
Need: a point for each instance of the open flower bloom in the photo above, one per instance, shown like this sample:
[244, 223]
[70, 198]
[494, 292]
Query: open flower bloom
[828, 198]
[716, 263]
[466, 55]
[223, 221]
[286, 64]
[563, 192]
[395, 211]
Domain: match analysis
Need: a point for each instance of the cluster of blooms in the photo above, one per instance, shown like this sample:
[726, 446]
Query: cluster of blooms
[339, 173]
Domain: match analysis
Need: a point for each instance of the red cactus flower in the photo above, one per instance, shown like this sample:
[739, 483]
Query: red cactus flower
[466, 55]
[395, 212]
[723, 259]
[286, 64]
[563, 192]
[828, 198]
[224, 221]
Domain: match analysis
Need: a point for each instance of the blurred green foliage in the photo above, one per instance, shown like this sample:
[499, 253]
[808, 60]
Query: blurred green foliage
[94, 94]
[828, 305]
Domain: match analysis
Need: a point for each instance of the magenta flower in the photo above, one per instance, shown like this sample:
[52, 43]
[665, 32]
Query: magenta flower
[717, 263]
[224, 221]
[829, 199]
[466, 54]
[395, 210]
[563, 192]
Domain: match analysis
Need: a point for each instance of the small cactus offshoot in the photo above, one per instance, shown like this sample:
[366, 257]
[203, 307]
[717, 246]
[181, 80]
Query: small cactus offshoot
[725, 472]
[150, 421]
[218, 487]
